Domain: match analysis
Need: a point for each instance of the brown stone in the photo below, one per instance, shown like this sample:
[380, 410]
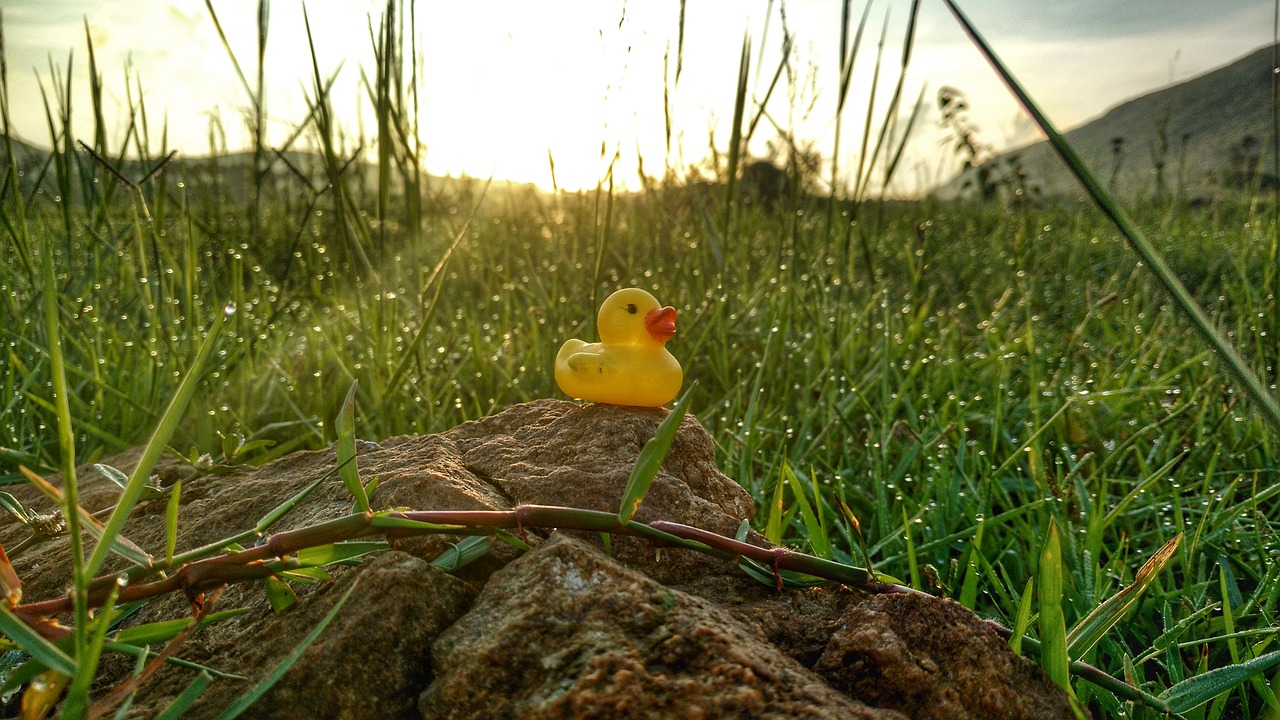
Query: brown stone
[931, 658]
[566, 632]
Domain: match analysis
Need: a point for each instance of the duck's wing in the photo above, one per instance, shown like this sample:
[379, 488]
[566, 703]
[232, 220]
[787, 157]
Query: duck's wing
[590, 364]
[568, 349]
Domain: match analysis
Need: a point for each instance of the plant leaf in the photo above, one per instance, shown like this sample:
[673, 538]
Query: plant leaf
[14, 507]
[34, 644]
[10, 583]
[464, 552]
[157, 633]
[969, 587]
[650, 460]
[171, 522]
[279, 594]
[156, 446]
[773, 526]
[1111, 611]
[1053, 629]
[1023, 619]
[187, 698]
[339, 551]
[112, 474]
[813, 525]
[346, 426]
[1194, 692]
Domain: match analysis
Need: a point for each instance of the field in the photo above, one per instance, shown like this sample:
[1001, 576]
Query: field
[932, 390]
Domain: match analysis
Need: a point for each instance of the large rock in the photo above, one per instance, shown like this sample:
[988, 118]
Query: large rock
[566, 632]
[563, 630]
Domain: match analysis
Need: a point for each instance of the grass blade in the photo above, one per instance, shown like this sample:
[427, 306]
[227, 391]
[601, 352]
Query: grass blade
[1194, 692]
[650, 460]
[1053, 628]
[161, 632]
[1089, 631]
[814, 528]
[735, 138]
[1023, 620]
[34, 644]
[773, 526]
[156, 445]
[249, 698]
[464, 552]
[171, 522]
[187, 698]
[77, 701]
[346, 426]
[339, 551]
[969, 587]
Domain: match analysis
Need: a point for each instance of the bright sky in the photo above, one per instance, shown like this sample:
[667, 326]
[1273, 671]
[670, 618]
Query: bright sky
[507, 82]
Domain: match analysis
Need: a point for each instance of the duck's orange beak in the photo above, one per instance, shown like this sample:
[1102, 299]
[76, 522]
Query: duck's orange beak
[661, 323]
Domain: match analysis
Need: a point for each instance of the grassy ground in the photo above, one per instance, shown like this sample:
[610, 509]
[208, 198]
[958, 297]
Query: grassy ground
[927, 389]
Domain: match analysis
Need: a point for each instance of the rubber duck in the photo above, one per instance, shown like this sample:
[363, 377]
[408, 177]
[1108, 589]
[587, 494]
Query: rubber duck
[630, 365]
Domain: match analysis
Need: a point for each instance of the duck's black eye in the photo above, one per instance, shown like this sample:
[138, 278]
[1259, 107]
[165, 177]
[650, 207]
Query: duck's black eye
[631, 308]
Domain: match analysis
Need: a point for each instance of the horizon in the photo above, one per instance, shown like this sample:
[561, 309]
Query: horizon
[494, 112]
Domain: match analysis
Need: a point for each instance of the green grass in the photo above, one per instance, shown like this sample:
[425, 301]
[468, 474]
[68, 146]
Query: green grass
[964, 368]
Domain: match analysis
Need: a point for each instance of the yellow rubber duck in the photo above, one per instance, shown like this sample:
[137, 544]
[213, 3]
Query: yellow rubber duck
[630, 365]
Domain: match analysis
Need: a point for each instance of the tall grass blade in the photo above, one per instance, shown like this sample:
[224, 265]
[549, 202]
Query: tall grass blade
[1144, 249]
[346, 427]
[1023, 619]
[1053, 627]
[157, 445]
[969, 587]
[735, 138]
[650, 460]
[80, 571]
[891, 115]
[814, 528]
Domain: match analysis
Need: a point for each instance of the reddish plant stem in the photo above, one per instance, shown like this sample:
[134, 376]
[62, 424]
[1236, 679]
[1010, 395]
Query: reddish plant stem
[200, 576]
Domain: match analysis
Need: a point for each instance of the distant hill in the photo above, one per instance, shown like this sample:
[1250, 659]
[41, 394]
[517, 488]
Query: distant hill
[229, 174]
[1216, 130]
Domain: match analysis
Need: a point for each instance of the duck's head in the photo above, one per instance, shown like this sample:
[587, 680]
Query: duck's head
[633, 317]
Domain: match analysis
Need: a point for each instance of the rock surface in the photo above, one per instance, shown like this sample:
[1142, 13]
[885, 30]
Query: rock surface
[563, 630]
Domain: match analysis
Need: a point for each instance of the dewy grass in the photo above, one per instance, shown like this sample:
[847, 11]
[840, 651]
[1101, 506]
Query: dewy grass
[1002, 370]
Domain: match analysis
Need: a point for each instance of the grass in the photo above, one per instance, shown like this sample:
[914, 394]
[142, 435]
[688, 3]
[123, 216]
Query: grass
[934, 401]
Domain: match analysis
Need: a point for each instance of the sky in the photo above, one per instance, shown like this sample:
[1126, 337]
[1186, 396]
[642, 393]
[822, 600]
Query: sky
[507, 86]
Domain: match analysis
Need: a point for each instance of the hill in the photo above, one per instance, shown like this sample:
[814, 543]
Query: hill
[1195, 139]
[229, 175]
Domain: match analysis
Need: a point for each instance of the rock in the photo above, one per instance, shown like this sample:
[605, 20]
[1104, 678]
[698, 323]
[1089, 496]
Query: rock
[567, 632]
[565, 629]
[932, 658]
[371, 662]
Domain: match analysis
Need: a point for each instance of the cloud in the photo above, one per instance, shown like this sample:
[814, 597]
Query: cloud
[1012, 20]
